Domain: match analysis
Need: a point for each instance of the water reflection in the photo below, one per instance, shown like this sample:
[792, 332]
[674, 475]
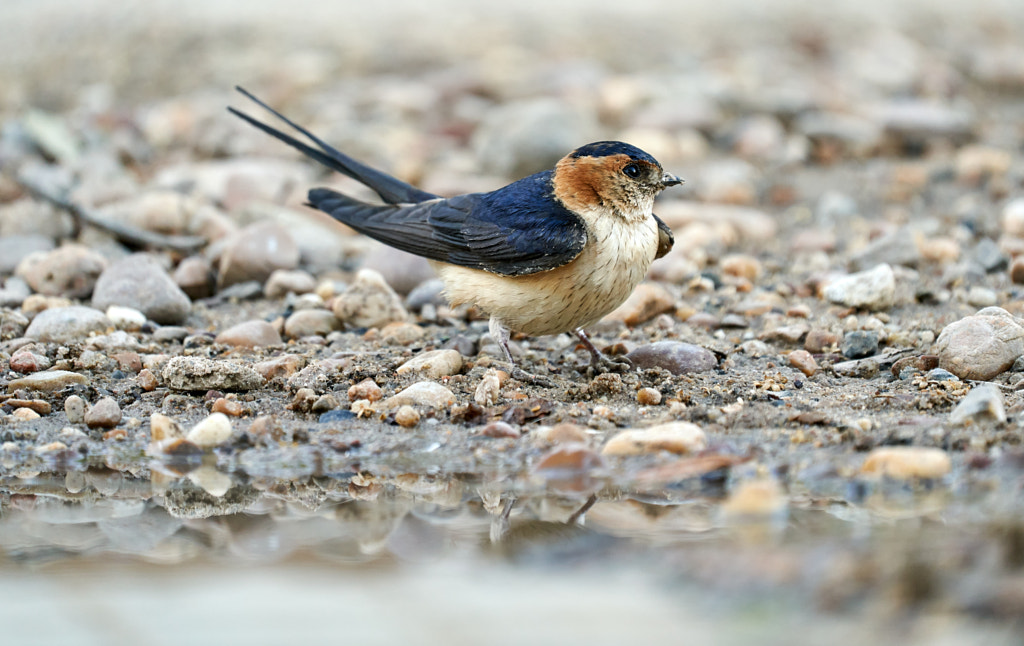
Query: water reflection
[889, 548]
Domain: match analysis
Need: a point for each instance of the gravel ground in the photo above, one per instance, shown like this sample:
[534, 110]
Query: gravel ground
[824, 428]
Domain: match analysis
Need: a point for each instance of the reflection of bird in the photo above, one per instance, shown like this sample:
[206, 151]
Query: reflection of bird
[553, 252]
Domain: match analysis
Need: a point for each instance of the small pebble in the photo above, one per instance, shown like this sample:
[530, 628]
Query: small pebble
[24, 414]
[212, 431]
[423, 393]
[146, 380]
[488, 390]
[407, 416]
[230, 407]
[1013, 217]
[105, 413]
[401, 333]
[26, 361]
[303, 400]
[859, 344]
[565, 433]
[255, 252]
[433, 364]
[819, 341]
[126, 318]
[803, 361]
[325, 403]
[906, 462]
[568, 458]
[756, 498]
[674, 437]
[38, 405]
[498, 429]
[648, 397]
[75, 408]
[250, 334]
[742, 266]
[365, 389]
[311, 322]
[984, 402]
[162, 427]
[284, 281]
[281, 366]
[369, 302]
[874, 289]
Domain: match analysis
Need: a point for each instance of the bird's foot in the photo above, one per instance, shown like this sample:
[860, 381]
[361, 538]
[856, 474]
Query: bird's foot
[603, 363]
[529, 378]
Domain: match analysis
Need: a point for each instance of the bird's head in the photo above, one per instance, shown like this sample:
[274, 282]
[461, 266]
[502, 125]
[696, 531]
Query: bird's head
[611, 175]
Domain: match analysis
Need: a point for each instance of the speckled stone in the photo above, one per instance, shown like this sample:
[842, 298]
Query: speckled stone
[197, 373]
[675, 356]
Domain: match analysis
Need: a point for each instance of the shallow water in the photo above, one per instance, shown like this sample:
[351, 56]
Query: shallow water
[104, 557]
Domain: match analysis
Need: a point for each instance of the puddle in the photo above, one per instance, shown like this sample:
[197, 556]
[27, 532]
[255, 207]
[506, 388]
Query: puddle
[101, 556]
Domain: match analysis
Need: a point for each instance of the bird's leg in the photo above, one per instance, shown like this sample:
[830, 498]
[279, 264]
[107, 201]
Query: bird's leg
[501, 334]
[598, 361]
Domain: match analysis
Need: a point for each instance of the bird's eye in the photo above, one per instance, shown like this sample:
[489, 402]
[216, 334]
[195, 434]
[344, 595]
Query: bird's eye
[631, 170]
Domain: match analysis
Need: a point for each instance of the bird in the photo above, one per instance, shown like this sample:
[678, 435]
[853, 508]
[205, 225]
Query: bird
[550, 253]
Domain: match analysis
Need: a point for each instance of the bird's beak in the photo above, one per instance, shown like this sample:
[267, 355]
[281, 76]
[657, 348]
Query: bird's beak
[668, 179]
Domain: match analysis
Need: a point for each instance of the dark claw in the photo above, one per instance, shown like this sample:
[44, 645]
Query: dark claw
[619, 364]
[529, 378]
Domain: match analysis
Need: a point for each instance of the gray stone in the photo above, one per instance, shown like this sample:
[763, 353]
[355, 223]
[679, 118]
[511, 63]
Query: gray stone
[310, 323]
[67, 324]
[103, 414]
[981, 346]
[197, 373]
[675, 356]
[250, 334]
[285, 281]
[369, 302]
[859, 344]
[194, 276]
[138, 281]
[896, 248]
[984, 402]
[874, 289]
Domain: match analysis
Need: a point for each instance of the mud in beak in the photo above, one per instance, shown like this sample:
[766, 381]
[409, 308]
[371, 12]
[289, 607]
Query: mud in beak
[668, 179]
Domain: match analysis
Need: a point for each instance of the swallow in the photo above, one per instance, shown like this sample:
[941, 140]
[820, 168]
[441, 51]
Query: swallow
[550, 253]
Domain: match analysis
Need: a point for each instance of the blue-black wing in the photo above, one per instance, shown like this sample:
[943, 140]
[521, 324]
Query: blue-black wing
[519, 229]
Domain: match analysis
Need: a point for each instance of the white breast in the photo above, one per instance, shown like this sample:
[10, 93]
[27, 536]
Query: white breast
[578, 294]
